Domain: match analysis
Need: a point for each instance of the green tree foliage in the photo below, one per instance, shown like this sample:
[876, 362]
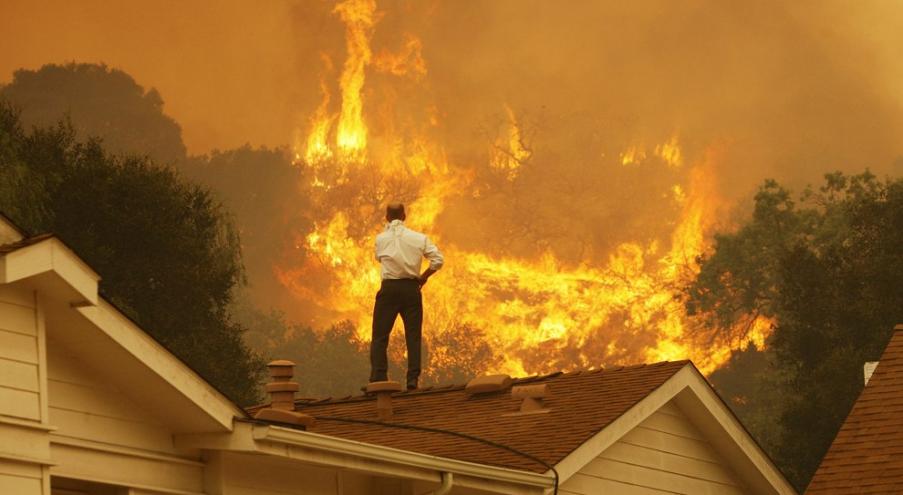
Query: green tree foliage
[261, 187]
[827, 268]
[101, 102]
[166, 251]
[334, 361]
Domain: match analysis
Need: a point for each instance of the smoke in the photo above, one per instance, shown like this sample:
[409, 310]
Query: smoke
[786, 90]
[591, 100]
[225, 69]
[797, 87]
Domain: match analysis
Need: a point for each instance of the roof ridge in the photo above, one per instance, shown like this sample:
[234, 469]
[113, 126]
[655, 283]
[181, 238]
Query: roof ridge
[581, 402]
[24, 242]
[437, 389]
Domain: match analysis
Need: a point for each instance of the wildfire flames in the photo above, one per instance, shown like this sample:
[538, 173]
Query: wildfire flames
[537, 314]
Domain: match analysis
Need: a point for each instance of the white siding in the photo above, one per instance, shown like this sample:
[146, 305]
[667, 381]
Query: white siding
[19, 355]
[664, 454]
[264, 475]
[83, 406]
[20, 478]
[249, 474]
[24, 442]
[103, 436]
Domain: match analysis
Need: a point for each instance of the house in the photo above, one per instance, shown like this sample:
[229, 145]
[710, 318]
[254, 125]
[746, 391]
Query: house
[92, 405]
[866, 456]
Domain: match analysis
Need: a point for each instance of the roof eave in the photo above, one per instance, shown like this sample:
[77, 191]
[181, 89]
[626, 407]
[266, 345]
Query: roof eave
[330, 451]
[51, 267]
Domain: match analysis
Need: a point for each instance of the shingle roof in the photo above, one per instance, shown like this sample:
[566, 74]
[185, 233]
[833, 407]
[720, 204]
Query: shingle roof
[581, 404]
[867, 454]
[28, 241]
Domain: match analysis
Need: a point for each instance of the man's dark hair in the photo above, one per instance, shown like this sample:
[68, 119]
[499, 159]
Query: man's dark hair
[395, 211]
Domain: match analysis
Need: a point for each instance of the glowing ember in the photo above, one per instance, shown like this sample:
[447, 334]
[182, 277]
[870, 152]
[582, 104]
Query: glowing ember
[632, 156]
[669, 152]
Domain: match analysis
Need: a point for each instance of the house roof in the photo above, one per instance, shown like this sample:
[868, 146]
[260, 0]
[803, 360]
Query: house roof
[28, 241]
[580, 405]
[867, 454]
[97, 328]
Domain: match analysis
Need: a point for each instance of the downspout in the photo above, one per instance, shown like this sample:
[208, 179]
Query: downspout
[445, 487]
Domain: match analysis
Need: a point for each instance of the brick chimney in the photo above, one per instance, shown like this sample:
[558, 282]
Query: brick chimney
[383, 391]
[281, 387]
[281, 390]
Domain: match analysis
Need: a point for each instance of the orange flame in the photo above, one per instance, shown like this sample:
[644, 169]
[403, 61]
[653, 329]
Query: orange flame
[317, 149]
[536, 314]
[351, 135]
[407, 62]
[510, 152]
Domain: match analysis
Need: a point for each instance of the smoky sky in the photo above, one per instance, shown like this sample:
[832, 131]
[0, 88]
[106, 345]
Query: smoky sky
[788, 90]
[793, 85]
[784, 89]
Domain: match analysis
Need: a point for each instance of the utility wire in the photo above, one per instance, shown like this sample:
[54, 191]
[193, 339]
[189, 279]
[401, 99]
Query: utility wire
[450, 433]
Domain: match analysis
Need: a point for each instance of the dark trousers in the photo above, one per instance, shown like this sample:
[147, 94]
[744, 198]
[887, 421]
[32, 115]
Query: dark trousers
[396, 297]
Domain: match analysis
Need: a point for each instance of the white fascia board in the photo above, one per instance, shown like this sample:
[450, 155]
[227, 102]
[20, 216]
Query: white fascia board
[51, 256]
[158, 359]
[693, 392]
[340, 453]
[317, 441]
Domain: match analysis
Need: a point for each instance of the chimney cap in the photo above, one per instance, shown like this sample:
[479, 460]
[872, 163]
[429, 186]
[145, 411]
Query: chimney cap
[487, 383]
[280, 363]
[539, 391]
[281, 368]
[282, 387]
[383, 387]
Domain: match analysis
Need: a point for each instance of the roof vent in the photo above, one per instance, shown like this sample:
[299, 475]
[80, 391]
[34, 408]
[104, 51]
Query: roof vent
[488, 383]
[282, 396]
[383, 391]
[281, 387]
[532, 396]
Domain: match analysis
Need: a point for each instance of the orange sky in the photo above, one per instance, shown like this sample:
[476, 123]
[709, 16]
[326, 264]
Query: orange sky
[789, 89]
[224, 68]
[235, 71]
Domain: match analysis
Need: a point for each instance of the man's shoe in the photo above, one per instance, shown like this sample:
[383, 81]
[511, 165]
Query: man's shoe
[412, 386]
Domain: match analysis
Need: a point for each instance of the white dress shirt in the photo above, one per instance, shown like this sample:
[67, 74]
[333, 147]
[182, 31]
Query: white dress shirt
[401, 250]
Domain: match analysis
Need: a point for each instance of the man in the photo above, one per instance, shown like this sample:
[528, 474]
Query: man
[400, 251]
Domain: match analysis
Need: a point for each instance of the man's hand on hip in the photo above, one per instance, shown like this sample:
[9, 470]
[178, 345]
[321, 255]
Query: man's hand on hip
[425, 276]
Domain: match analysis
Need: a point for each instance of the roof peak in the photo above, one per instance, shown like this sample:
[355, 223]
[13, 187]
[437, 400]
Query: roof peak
[438, 389]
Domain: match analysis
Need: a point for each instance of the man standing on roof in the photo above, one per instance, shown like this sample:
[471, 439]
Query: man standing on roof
[400, 252]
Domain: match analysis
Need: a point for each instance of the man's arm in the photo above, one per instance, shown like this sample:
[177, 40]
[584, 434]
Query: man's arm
[431, 253]
[376, 249]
